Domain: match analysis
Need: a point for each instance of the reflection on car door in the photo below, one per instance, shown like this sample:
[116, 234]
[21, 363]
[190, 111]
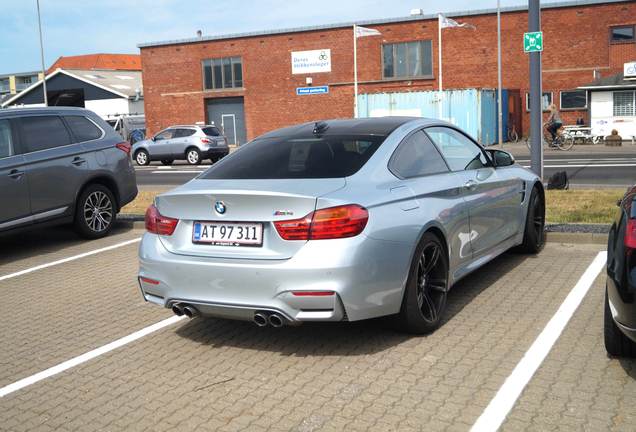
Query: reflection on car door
[422, 171]
[14, 189]
[494, 198]
[161, 145]
[57, 168]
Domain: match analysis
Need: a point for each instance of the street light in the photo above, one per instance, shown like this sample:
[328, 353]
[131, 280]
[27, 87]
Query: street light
[46, 102]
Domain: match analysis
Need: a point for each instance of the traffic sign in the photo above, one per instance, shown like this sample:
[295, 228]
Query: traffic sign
[301, 91]
[533, 42]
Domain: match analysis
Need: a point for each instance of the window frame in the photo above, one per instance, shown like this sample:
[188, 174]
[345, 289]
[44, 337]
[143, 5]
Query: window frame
[490, 163]
[612, 41]
[75, 139]
[633, 92]
[14, 146]
[390, 164]
[575, 108]
[162, 131]
[212, 74]
[407, 77]
[542, 93]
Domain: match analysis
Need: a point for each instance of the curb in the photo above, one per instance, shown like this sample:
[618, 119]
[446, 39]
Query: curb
[555, 233]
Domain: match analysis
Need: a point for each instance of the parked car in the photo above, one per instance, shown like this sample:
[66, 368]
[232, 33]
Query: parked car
[339, 220]
[192, 143]
[60, 165]
[620, 293]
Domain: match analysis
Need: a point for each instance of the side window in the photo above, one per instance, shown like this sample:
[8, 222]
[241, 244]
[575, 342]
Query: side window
[43, 132]
[417, 156]
[6, 139]
[459, 151]
[83, 129]
[182, 133]
[167, 134]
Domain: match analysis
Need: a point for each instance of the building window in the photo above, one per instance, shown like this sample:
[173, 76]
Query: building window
[573, 100]
[624, 103]
[4, 85]
[546, 101]
[222, 73]
[622, 34]
[408, 59]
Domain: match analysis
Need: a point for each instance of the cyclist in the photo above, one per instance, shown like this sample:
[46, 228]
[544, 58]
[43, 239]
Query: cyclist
[554, 123]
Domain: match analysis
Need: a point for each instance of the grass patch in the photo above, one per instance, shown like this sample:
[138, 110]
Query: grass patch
[571, 206]
[582, 205]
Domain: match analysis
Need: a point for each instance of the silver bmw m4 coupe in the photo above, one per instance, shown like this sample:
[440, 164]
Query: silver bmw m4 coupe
[339, 220]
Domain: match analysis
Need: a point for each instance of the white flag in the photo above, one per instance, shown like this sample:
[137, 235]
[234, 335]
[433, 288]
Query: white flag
[363, 31]
[448, 22]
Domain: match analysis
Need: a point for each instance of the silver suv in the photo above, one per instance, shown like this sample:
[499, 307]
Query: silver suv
[60, 165]
[190, 142]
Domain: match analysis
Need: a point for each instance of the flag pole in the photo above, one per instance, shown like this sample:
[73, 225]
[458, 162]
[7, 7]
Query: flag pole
[46, 102]
[355, 73]
[499, 106]
[439, 63]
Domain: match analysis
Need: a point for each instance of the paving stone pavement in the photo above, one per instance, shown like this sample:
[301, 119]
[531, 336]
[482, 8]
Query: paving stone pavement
[220, 375]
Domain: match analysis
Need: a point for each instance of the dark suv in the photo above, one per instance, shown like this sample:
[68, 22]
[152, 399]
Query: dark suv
[60, 165]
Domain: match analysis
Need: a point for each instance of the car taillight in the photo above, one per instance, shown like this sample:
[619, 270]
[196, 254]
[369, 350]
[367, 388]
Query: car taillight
[330, 223]
[124, 146]
[630, 234]
[158, 224]
[206, 140]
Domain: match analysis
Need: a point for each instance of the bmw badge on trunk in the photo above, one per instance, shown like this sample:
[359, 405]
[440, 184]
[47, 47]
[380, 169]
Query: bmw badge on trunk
[220, 208]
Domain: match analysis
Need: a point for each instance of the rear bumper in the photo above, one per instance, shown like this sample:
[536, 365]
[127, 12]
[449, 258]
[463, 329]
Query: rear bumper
[367, 277]
[623, 312]
[216, 151]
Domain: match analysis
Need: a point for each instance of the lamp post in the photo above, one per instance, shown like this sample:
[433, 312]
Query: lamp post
[46, 102]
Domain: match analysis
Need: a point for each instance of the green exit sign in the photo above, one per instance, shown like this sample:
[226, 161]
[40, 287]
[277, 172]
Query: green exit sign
[533, 42]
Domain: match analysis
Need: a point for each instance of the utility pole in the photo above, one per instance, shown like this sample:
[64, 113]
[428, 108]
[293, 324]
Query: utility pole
[536, 145]
[46, 101]
[499, 105]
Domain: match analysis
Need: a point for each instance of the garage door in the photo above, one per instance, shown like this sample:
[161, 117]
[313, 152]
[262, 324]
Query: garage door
[229, 114]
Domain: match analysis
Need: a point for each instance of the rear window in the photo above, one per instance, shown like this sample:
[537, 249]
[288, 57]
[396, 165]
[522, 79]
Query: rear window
[211, 131]
[297, 157]
[83, 128]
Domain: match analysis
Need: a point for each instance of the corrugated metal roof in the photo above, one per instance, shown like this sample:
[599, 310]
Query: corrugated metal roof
[571, 3]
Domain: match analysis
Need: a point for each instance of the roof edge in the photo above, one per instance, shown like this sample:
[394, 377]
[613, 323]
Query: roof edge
[508, 9]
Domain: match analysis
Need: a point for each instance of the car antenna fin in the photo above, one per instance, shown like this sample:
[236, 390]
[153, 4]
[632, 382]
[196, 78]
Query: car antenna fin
[320, 127]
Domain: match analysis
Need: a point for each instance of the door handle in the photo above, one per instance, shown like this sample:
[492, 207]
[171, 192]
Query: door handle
[470, 185]
[16, 174]
[78, 161]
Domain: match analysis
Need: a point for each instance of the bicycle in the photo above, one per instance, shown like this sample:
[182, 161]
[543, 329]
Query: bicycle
[563, 141]
[512, 134]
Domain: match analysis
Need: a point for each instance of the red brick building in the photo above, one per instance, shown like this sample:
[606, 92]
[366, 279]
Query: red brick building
[583, 39]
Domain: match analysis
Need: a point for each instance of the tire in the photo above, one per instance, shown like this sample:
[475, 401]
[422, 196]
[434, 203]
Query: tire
[167, 161]
[95, 198]
[513, 136]
[616, 343]
[565, 143]
[193, 156]
[534, 231]
[142, 157]
[424, 300]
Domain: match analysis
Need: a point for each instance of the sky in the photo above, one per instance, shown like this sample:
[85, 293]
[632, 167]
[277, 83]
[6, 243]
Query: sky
[73, 27]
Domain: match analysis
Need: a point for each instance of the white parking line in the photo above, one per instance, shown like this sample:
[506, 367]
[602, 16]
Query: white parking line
[87, 356]
[65, 260]
[499, 407]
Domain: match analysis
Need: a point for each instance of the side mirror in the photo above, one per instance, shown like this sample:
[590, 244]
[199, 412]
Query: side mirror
[157, 138]
[501, 158]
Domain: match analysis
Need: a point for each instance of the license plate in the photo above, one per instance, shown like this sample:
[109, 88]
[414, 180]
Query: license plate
[228, 233]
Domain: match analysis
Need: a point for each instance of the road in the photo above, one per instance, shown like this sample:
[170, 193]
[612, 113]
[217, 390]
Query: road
[584, 168]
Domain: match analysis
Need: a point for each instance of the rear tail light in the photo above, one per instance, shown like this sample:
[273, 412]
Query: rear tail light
[206, 141]
[148, 280]
[124, 146]
[630, 234]
[158, 224]
[330, 223]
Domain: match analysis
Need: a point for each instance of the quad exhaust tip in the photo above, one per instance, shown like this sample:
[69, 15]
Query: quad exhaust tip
[263, 319]
[177, 309]
[190, 311]
[260, 319]
[276, 320]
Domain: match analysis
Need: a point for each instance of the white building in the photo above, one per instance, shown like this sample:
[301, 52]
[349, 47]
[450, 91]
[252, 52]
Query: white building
[109, 93]
[613, 103]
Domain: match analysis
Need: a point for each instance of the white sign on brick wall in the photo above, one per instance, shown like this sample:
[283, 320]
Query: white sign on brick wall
[314, 61]
[629, 70]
